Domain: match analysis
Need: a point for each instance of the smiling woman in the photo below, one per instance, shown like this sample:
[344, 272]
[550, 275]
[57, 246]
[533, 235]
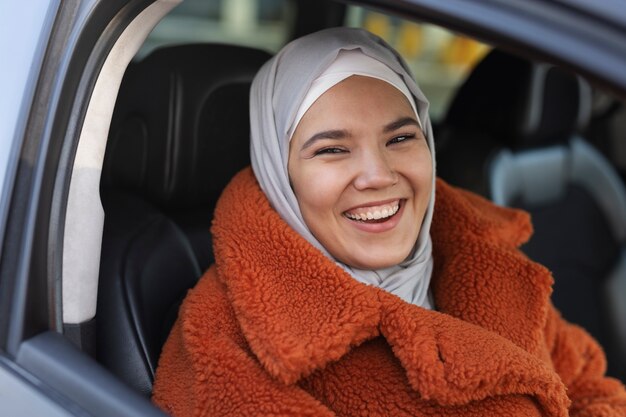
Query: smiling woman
[341, 288]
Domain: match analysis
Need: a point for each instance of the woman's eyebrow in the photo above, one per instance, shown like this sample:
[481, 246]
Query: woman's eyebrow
[327, 134]
[404, 121]
[340, 134]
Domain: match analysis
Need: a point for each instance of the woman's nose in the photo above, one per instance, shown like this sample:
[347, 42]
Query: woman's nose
[375, 172]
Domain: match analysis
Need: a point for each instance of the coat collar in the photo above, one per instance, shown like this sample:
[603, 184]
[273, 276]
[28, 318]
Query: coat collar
[299, 311]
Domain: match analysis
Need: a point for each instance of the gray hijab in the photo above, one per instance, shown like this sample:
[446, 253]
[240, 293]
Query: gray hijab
[275, 97]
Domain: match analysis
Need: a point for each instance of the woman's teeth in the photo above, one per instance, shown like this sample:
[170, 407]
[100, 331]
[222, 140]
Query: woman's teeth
[374, 213]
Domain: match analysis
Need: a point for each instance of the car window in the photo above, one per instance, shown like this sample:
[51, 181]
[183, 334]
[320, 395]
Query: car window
[263, 24]
[440, 59]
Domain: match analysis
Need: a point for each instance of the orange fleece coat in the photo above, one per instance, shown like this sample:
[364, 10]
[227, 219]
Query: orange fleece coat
[277, 329]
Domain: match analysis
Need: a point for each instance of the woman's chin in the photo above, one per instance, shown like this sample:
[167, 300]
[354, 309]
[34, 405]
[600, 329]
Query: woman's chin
[380, 261]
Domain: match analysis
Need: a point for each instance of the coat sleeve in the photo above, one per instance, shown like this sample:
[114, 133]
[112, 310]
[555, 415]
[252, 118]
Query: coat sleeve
[206, 369]
[581, 363]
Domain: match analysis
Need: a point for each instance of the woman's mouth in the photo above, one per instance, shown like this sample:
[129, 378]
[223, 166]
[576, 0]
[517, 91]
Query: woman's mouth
[374, 214]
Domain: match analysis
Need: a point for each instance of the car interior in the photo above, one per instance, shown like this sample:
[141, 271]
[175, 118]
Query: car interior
[532, 155]
[540, 138]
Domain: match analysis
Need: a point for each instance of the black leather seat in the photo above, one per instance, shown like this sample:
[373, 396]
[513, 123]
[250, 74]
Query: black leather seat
[480, 119]
[522, 120]
[179, 132]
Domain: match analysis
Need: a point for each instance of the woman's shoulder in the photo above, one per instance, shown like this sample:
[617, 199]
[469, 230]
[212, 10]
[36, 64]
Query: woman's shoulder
[242, 187]
[462, 214]
[207, 310]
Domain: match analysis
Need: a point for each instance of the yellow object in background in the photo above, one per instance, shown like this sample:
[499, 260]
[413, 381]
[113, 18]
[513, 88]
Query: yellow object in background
[378, 24]
[410, 41]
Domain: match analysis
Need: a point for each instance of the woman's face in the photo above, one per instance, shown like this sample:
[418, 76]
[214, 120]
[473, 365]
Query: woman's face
[361, 171]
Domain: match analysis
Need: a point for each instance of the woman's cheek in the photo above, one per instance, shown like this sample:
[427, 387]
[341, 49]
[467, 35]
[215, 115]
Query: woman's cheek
[325, 181]
[420, 163]
[313, 183]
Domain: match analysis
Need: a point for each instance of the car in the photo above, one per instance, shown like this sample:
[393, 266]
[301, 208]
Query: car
[105, 212]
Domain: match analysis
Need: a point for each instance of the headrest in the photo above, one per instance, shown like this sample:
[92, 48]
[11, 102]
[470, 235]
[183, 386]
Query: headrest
[522, 104]
[181, 128]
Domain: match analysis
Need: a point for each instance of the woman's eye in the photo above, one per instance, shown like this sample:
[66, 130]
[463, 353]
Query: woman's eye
[330, 150]
[400, 139]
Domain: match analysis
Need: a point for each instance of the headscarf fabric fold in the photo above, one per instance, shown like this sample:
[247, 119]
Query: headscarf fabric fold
[277, 95]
